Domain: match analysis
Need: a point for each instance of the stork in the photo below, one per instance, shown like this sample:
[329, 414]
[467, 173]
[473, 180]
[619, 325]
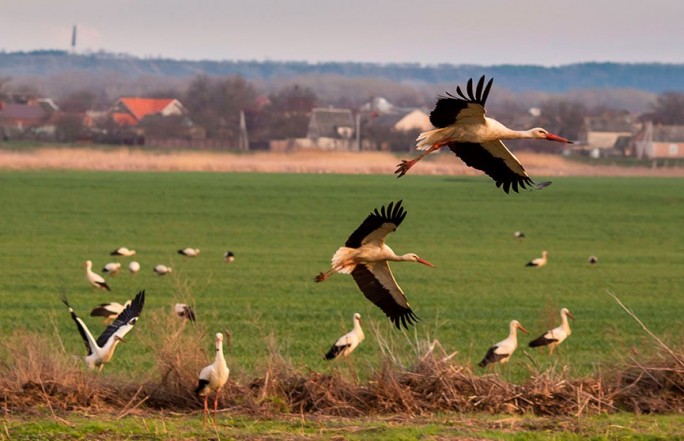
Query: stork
[95, 279]
[123, 251]
[346, 344]
[109, 311]
[365, 256]
[162, 270]
[134, 267]
[213, 378]
[100, 351]
[539, 261]
[229, 256]
[189, 252]
[462, 126]
[502, 351]
[555, 336]
[111, 268]
[184, 312]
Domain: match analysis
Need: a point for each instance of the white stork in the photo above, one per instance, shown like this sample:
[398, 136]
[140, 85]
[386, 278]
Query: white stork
[346, 344]
[365, 256]
[189, 252]
[111, 268]
[123, 251]
[213, 377]
[100, 351]
[593, 260]
[229, 257]
[461, 125]
[502, 351]
[162, 269]
[539, 261]
[134, 267]
[555, 336]
[519, 235]
[184, 312]
[109, 311]
[95, 279]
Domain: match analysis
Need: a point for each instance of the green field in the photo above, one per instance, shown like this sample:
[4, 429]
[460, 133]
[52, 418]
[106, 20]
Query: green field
[284, 228]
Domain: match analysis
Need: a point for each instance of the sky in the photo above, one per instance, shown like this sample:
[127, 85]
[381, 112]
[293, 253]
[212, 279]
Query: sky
[482, 32]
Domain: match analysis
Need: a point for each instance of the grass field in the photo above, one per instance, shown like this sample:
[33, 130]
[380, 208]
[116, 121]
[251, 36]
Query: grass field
[284, 229]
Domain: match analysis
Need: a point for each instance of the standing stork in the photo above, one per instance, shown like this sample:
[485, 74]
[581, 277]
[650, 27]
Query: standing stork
[539, 261]
[111, 268]
[229, 257]
[134, 267]
[461, 125]
[346, 344]
[100, 351]
[162, 270]
[95, 279]
[555, 336]
[189, 252]
[365, 256]
[123, 251]
[502, 351]
[184, 312]
[213, 377]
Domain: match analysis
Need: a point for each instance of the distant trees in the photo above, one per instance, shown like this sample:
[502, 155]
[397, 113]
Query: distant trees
[669, 108]
[215, 104]
[286, 113]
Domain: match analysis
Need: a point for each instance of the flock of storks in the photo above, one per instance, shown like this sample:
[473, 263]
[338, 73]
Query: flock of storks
[461, 125]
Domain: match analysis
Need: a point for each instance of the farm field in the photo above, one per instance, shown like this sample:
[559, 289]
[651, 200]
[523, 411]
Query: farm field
[284, 228]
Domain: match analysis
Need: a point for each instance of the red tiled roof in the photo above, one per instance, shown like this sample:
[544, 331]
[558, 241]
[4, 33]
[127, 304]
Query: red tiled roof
[141, 107]
[124, 119]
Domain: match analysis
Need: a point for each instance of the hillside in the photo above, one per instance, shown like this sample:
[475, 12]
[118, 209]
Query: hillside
[654, 78]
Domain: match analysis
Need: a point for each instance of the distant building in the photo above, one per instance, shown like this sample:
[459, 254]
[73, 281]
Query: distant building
[332, 129]
[660, 142]
[35, 115]
[602, 132]
[129, 111]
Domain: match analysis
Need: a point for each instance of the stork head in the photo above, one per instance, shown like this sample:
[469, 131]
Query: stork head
[414, 258]
[516, 325]
[357, 317]
[88, 264]
[566, 312]
[540, 133]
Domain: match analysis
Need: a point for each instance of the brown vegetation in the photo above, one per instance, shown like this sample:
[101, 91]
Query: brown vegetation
[299, 161]
[38, 376]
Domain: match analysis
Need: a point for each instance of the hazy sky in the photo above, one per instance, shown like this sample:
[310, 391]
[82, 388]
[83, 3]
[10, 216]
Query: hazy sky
[540, 32]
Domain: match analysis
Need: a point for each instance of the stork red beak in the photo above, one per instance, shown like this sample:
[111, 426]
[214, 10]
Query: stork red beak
[425, 262]
[552, 137]
[522, 329]
[570, 315]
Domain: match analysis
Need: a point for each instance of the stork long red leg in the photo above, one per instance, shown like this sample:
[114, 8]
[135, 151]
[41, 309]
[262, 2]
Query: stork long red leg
[206, 411]
[405, 165]
[216, 407]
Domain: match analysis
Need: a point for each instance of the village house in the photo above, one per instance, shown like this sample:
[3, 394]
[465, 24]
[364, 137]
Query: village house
[35, 117]
[332, 129]
[660, 142]
[130, 111]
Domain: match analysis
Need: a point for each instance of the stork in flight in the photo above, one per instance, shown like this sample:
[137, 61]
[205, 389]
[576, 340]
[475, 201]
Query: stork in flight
[461, 125]
[365, 256]
[100, 351]
[502, 351]
[213, 377]
[555, 336]
[346, 344]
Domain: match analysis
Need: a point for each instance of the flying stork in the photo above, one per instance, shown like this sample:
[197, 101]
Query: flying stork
[100, 351]
[555, 336]
[365, 256]
[213, 377]
[502, 351]
[462, 126]
[346, 344]
[95, 279]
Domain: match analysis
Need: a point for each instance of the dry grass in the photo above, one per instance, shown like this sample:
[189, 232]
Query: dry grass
[40, 376]
[298, 161]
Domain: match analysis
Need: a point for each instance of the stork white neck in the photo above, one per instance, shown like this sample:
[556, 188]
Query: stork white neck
[564, 322]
